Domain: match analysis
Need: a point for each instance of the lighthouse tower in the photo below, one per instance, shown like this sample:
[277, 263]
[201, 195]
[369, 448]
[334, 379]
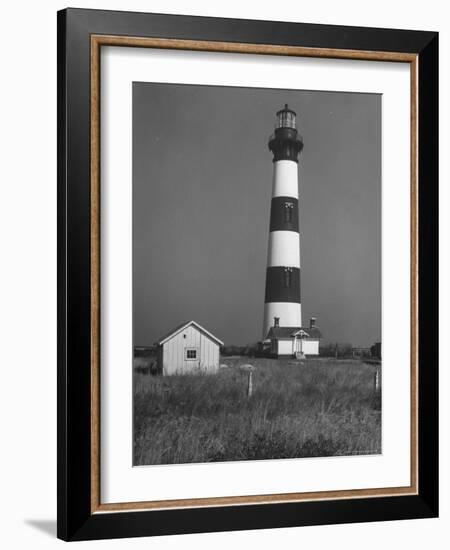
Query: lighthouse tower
[282, 300]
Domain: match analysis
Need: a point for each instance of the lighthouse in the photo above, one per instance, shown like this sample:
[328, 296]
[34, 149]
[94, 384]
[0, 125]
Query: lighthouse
[282, 304]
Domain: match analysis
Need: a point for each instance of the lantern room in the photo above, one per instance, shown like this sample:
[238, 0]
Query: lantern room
[286, 118]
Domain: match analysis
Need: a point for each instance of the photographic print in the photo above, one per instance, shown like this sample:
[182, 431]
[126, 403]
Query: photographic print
[256, 274]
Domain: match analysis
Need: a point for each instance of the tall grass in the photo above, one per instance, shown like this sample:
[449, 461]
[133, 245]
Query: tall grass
[320, 408]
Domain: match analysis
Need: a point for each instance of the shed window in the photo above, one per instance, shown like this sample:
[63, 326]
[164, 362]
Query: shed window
[191, 353]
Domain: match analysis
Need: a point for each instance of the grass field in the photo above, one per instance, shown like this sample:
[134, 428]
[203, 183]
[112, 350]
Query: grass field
[320, 408]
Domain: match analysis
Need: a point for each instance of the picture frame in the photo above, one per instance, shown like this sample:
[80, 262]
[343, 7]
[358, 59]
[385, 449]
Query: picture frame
[81, 36]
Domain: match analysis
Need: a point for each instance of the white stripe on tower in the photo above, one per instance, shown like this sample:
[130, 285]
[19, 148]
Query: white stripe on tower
[285, 179]
[282, 298]
[291, 314]
[284, 249]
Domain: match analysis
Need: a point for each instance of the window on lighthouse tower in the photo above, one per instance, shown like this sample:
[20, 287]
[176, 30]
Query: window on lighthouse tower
[288, 209]
[287, 276]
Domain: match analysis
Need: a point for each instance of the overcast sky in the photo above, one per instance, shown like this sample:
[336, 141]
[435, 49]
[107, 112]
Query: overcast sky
[202, 179]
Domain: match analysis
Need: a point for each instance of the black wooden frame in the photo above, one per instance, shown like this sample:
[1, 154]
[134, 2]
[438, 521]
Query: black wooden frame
[75, 521]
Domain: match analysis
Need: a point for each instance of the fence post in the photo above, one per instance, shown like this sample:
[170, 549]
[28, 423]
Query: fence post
[376, 381]
[250, 384]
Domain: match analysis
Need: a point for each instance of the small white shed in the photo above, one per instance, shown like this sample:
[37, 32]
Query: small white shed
[188, 348]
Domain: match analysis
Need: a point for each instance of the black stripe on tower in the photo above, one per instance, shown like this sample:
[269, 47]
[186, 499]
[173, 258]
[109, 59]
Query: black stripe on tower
[284, 214]
[283, 284]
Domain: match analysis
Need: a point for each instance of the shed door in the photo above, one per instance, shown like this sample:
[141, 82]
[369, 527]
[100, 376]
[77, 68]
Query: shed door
[192, 357]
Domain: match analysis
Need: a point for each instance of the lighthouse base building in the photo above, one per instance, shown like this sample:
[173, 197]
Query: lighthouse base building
[292, 341]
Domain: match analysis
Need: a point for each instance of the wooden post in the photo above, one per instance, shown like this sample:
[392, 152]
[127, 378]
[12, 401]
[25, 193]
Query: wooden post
[376, 381]
[250, 384]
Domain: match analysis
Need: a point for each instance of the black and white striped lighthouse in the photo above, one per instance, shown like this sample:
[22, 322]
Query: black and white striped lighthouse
[282, 299]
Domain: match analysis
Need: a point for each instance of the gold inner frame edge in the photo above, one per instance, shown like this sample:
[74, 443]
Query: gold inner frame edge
[97, 41]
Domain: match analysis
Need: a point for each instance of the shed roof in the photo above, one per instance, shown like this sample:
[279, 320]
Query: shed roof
[290, 332]
[184, 326]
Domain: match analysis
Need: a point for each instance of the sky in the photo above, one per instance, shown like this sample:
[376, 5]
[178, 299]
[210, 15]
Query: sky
[202, 183]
